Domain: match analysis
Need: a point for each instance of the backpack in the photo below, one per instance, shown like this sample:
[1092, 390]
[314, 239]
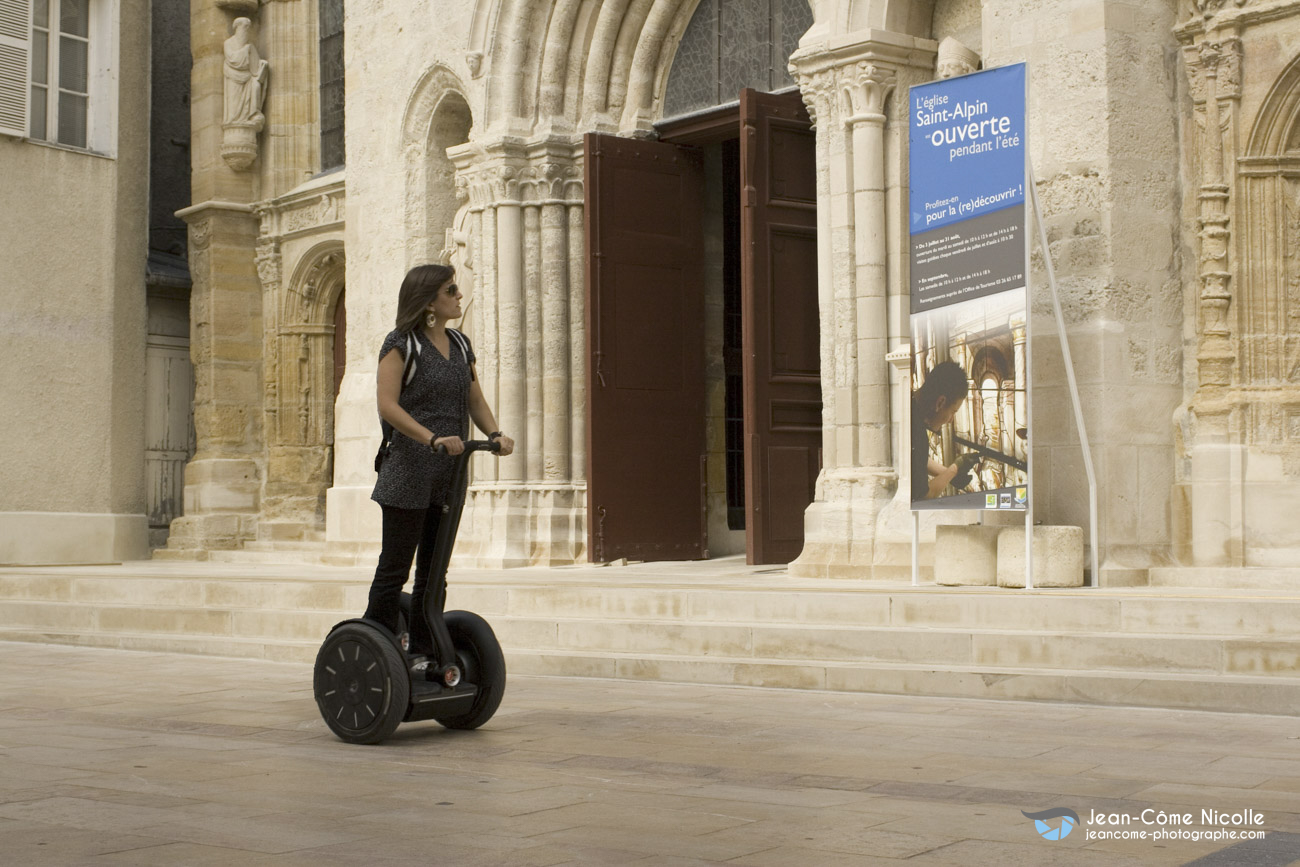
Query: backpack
[413, 350]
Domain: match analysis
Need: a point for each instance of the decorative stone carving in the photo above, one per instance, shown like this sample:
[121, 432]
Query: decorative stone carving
[474, 60]
[1292, 352]
[1210, 8]
[955, 59]
[865, 87]
[817, 90]
[246, 75]
[325, 209]
[1216, 353]
[268, 265]
[200, 234]
[200, 239]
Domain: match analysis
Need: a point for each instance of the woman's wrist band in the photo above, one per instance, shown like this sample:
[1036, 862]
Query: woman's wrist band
[495, 434]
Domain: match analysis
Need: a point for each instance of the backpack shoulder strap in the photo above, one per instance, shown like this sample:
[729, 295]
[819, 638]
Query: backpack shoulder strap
[413, 349]
[461, 343]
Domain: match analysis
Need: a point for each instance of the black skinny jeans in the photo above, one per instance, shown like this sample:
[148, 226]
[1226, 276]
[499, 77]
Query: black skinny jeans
[405, 531]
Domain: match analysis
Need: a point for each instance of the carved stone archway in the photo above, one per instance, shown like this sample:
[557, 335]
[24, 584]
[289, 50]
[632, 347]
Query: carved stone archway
[300, 397]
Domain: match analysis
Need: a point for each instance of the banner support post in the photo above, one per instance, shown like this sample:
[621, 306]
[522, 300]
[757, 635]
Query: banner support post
[1074, 386]
[916, 545]
[1029, 362]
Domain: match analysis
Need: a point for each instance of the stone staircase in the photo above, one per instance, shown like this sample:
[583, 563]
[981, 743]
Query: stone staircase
[721, 622]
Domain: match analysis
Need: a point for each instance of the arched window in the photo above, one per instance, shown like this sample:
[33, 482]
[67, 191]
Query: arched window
[733, 44]
[331, 84]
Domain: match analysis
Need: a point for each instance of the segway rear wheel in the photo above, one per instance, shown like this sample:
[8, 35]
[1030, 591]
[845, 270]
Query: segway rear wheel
[482, 664]
[361, 684]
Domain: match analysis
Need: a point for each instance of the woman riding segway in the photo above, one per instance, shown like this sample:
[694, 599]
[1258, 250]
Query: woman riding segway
[427, 391]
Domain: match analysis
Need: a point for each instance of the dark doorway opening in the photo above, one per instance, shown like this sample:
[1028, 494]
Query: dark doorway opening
[739, 252]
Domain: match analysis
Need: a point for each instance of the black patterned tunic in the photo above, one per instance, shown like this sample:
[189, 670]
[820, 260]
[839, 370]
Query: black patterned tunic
[413, 476]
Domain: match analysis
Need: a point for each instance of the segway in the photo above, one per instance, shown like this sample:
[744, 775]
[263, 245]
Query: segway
[366, 683]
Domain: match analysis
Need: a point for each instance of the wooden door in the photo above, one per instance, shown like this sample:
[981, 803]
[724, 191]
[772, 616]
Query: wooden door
[168, 428]
[781, 332]
[645, 351]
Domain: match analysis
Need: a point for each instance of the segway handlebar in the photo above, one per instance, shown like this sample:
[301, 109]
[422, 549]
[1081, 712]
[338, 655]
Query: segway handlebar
[473, 446]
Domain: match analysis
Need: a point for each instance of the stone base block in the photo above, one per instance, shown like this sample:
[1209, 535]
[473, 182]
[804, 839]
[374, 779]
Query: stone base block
[966, 555]
[211, 532]
[1058, 556]
[287, 531]
[523, 525]
[71, 538]
[230, 485]
[841, 524]
[351, 516]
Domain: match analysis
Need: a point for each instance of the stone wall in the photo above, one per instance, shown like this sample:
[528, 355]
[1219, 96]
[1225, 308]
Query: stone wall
[74, 236]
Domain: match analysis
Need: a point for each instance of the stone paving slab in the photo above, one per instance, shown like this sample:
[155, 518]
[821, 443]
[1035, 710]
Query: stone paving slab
[124, 758]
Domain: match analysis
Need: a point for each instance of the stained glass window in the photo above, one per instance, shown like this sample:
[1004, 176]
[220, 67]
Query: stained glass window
[331, 84]
[733, 44]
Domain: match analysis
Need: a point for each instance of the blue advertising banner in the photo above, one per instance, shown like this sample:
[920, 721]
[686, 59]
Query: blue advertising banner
[969, 266]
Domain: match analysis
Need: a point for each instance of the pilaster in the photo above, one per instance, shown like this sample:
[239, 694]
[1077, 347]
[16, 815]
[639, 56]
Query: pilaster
[848, 87]
[223, 479]
[1212, 533]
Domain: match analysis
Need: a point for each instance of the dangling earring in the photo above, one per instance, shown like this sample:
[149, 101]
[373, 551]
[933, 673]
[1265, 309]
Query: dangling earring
[431, 320]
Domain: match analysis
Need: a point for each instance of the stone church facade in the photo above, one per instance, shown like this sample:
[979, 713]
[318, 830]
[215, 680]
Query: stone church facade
[1165, 142]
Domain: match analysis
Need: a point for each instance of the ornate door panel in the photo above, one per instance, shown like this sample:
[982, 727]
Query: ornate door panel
[783, 398]
[645, 351]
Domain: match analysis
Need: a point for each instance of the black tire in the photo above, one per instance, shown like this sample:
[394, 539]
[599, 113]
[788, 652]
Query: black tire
[482, 664]
[361, 684]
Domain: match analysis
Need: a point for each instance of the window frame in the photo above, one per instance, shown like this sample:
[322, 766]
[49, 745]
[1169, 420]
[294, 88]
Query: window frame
[100, 95]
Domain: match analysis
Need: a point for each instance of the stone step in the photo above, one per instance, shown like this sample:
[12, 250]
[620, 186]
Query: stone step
[1158, 646]
[1241, 694]
[1100, 651]
[1237, 694]
[343, 592]
[307, 556]
[1245, 577]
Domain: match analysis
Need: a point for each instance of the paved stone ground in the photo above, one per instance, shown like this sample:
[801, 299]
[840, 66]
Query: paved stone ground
[121, 758]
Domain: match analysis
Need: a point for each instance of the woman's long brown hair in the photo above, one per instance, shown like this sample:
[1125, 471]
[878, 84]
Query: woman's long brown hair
[419, 288]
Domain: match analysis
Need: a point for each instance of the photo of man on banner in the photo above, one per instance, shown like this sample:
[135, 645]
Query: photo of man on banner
[969, 435]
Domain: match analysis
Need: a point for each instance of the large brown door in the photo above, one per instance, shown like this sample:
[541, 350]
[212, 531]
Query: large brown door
[783, 398]
[645, 351]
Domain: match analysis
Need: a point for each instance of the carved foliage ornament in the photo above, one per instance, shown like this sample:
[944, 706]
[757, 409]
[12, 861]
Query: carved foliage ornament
[1220, 59]
[866, 87]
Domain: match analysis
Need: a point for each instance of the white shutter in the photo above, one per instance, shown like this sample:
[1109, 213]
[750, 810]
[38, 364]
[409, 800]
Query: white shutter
[15, 46]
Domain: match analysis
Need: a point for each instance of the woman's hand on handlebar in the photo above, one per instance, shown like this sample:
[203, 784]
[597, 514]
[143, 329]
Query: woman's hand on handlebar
[452, 445]
[506, 443]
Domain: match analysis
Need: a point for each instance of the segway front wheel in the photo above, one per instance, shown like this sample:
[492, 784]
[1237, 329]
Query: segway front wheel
[482, 663]
[361, 683]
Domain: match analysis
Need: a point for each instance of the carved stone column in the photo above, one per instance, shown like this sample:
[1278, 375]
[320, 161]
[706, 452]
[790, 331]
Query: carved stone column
[866, 86]
[1215, 354]
[847, 91]
[1213, 529]
[525, 225]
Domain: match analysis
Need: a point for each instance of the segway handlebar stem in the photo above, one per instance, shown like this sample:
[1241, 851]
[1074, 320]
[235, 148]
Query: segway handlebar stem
[435, 594]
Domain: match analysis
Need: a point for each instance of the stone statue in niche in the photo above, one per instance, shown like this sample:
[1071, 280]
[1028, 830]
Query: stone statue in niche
[245, 74]
[955, 59]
